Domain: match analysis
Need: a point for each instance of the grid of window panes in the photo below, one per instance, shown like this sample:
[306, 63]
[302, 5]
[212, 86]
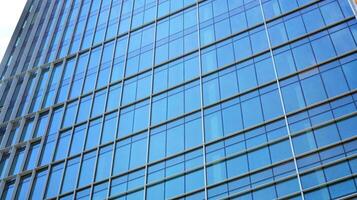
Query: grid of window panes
[181, 99]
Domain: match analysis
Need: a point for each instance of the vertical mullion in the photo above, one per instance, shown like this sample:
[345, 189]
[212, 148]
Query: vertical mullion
[8, 98]
[22, 41]
[150, 101]
[53, 31]
[27, 51]
[17, 34]
[201, 100]
[53, 7]
[282, 102]
[74, 27]
[121, 89]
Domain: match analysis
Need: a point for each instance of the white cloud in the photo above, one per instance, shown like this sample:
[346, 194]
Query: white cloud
[10, 12]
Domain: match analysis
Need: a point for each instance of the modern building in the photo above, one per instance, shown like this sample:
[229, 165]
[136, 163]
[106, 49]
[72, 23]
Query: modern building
[180, 99]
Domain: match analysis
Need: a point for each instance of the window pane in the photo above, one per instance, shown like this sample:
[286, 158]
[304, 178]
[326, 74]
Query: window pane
[104, 163]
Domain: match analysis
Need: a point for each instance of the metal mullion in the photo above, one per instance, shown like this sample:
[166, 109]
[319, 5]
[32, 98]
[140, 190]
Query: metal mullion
[43, 11]
[74, 76]
[62, 177]
[43, 138]
[64, 64]
[15, 36]
[8, 98]
[88, 121]
[282, 102]
[50, 164]
[48, 81]
[201, 102]
[21, 95]
[56, 51]
[52, 8]
[81, 155]
[117, 21]
[150, 101]
[101, 128]
[59, 84]
[6, 136]
[84, 29]
[121, 91]
[113, 53]
[99, 146]
[53, 32]
[21, 123]
[107, 87]
[74, 27]
[72, 128]
[16, 52]
[34, 127]
[106, 24]
[36, 83]
[91, 186]
[235, 34]
[12, 151]
[16, 187]
[26, 154]
[89, 58]
[96, 21]
[87, 127]
[32, 180]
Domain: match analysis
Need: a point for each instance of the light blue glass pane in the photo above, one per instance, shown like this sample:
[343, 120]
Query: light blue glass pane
[350, 70]
[258, 158]
[293, 98]
[121, 160]
[312, 179]
[330, 78]
[104, 163]
[157, 146]
[265, 193]
[213, 126]
[252, 113]
[175, 140]
[232, 119]
[174, 187]
[237, 166]
[280, 151]
[304, 143]
[194, 181]
[228, 85]
[87, 169]
[323, 49]
[54, 180]
[246, 78]
[304, 57]
[269, 99]
[70, 176]
[156, 192]
[326, 135]
[343, 188]
[211, 91]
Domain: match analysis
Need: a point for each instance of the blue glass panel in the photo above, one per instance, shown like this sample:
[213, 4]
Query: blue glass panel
[54, 181]
[109, 128]
[104, 163]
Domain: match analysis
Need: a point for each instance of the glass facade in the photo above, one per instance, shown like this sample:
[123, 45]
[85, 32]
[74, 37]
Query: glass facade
[180, 99]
